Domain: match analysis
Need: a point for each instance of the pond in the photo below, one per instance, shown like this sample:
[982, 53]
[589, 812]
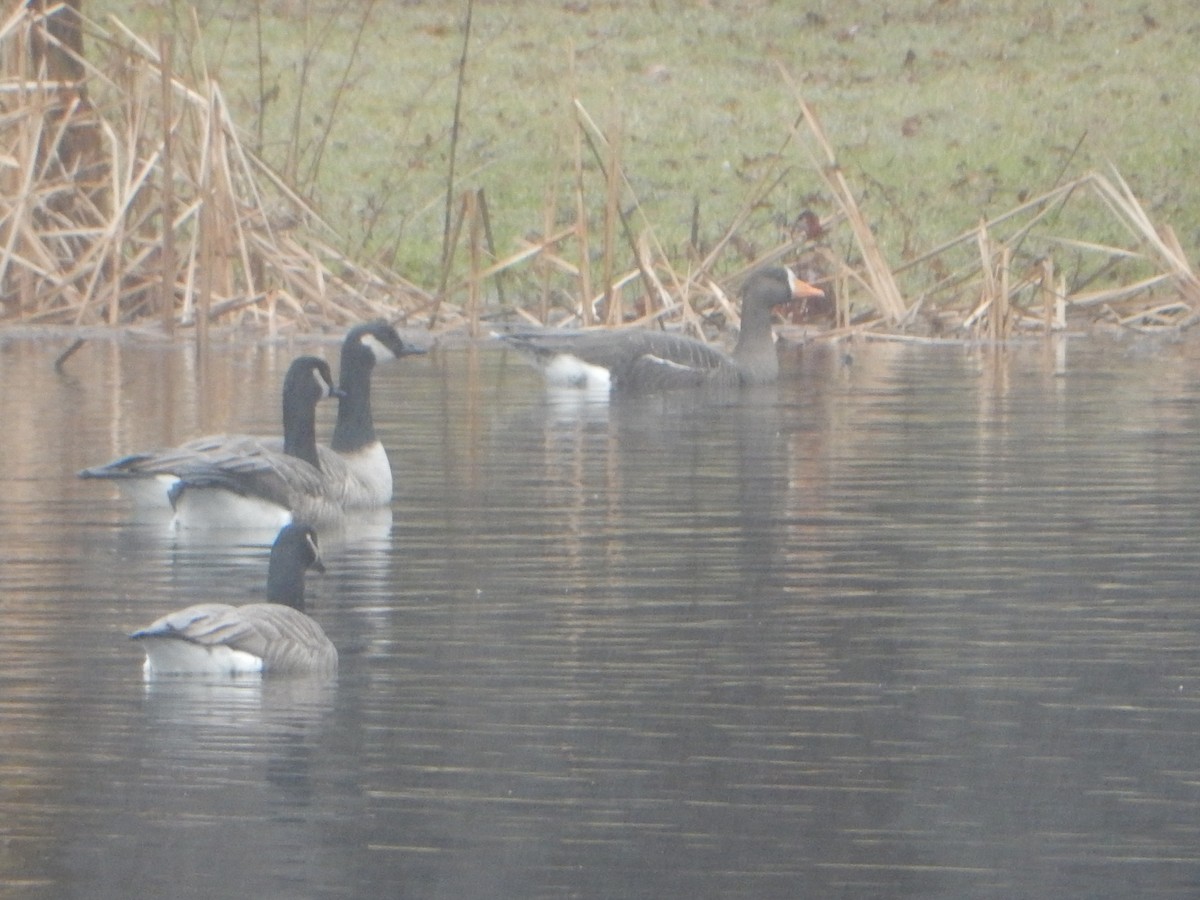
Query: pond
[917, 621]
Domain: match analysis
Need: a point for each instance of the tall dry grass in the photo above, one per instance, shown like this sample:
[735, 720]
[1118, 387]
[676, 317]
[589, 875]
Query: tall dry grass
[170, 217]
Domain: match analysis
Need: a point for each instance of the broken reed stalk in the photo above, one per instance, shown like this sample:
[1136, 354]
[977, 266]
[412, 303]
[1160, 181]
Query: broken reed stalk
[581, 215]
[843, 281]
[448, 259]
[596, 140]
[1121, 198]
[166, 297]
[486, 218]
[329, 116]
[1004, 311]
[540, 264]
[208, 226]
[1049, 298]
[159, 157]
[474, 242]
[613, 314]
[884, 290]
[766, 183]
[455, 122]
[1059, 194]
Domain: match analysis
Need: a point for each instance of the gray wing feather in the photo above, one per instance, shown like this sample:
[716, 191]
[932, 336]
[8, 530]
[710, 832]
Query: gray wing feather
[165, 461]
[636, 357]
[284, 638]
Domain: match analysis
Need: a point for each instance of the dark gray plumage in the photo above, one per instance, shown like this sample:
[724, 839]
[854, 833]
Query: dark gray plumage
[643, 360]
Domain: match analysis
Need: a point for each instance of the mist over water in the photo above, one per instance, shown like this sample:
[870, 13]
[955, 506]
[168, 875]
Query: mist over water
[914, 622]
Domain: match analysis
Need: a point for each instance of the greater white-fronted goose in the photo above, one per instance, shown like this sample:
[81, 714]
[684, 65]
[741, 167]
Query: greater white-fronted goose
[275, 637]
[644, 360]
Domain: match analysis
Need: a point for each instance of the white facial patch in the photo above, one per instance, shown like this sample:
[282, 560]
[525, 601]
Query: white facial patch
[378, 349]
[325, 387]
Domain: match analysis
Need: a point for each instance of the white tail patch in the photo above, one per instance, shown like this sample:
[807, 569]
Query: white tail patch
[174, 656]
[216, 508]
[147, 493]
[565, 370]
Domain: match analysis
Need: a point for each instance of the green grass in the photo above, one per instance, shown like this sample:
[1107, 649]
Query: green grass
[942, 113]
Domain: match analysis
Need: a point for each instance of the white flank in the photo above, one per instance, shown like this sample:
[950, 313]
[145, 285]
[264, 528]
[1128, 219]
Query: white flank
[669, 364]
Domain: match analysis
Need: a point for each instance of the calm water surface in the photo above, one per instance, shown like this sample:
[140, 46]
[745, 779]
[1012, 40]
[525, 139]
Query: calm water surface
[915, 622]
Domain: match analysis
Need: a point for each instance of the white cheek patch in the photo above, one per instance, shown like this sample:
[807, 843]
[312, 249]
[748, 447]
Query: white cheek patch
[377, 348]
[322, 385]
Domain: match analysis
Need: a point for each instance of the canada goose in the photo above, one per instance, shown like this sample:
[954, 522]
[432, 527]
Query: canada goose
[357, 470]
[356, 462]
[355, 459]
[241, 481]
[637, 359]
[354, 470]
[275, 637]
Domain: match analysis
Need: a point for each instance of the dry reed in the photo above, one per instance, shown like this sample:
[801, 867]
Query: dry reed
[142, 202]
[164, 215]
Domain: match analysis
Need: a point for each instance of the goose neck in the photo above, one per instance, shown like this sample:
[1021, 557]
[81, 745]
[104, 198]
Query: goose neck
[355, 426]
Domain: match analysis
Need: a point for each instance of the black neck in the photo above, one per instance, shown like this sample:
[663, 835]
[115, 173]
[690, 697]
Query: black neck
[355, 428]
[285, 580]
[300, 434]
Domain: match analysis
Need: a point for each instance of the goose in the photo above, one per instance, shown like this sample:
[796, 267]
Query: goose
[241, 481]
[358, 471]
[358, 474]
[637, 359]
[274, 637]
[355, 458]
[353, 472]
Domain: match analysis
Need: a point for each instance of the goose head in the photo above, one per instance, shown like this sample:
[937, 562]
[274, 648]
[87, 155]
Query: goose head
[777, 286]
[764, 290]
[309, 380]
[375, 341]
[294, 552]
